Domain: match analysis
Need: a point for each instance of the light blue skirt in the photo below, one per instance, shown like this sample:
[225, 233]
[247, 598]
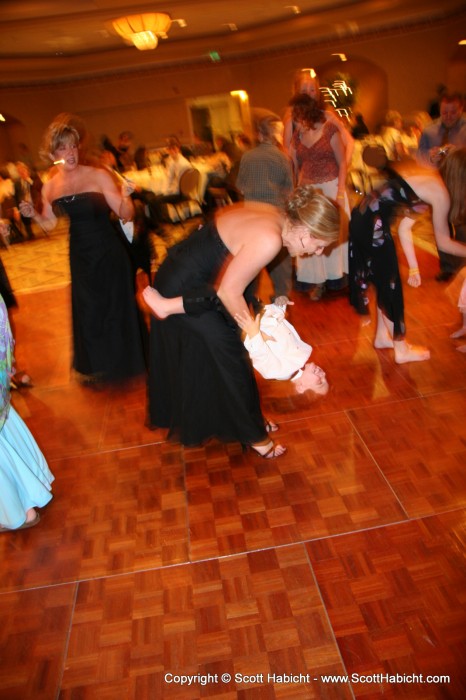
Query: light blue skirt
[25, 479]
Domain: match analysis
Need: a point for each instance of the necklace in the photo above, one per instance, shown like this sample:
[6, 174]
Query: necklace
[71, 197]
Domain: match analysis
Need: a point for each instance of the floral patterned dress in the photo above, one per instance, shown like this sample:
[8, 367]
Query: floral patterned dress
[372, 252]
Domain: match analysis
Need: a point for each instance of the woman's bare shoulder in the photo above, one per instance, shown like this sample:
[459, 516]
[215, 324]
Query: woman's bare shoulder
[50, 189]
[411, 170]
[426, 182]
[90, 171]
[249, 222]
[252, 214]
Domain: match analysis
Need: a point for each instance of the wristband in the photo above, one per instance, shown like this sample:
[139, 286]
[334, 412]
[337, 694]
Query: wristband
[413, 271]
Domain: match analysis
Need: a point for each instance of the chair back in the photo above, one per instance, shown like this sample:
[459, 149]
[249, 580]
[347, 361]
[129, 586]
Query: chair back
[190, 184]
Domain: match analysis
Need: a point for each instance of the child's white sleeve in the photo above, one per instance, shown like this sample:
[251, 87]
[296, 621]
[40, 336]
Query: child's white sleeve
[278, 358]
[269, 365]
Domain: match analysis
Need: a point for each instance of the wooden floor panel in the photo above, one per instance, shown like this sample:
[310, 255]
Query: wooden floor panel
[327, 484]
[252, 615]
[33, 640]
[420, 446]
[345, 556]
[371, 378]
[111, 513]
[396, 602]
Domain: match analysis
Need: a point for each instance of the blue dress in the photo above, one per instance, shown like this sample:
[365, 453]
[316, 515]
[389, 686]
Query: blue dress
[25, 479]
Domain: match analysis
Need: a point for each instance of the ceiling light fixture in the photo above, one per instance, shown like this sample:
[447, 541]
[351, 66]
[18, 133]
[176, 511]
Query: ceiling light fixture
[144, 31]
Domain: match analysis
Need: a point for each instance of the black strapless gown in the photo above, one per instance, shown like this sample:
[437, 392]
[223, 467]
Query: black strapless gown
[201, 381]
[106, 331]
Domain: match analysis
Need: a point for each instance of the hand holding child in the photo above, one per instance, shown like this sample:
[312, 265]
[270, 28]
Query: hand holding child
[251, 326]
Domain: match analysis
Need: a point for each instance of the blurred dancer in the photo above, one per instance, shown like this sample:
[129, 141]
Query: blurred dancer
[25, 479]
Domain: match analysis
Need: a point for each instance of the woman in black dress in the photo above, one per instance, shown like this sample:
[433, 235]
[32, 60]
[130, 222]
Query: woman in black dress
[201, 381]
[106, 332]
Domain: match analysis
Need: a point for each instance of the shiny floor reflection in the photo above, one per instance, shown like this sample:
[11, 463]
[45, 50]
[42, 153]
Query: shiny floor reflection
[254, 578]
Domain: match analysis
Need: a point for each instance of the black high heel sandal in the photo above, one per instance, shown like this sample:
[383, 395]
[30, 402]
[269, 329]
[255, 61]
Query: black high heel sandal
[271, 427]
[270, 450]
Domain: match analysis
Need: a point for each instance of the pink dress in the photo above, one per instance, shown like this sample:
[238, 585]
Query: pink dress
[316, 163]
[317, 166]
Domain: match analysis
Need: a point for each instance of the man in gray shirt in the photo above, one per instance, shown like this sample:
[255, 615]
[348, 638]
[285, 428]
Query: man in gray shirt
[265, 175]
[437, 140]
[446, 132]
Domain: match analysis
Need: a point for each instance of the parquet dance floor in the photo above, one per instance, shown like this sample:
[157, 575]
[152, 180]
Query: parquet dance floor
[163, 572]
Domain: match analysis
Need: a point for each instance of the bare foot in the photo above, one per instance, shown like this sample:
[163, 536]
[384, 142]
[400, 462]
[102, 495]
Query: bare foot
[155, 302]
[382, 342]
[461, 348]
[459, 333]
[411, 353]
[31, 514]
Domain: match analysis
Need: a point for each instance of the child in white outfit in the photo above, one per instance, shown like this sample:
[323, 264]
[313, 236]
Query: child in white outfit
[277, 351]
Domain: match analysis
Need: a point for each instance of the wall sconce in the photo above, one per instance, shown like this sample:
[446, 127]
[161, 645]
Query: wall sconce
[311, 71]
[242, 94]
[144, 31]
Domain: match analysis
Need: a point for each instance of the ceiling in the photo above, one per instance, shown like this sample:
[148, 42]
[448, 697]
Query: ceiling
[55, 40]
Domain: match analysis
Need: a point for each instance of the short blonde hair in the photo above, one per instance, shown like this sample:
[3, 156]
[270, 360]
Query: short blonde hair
[63, 129]
[317, 212]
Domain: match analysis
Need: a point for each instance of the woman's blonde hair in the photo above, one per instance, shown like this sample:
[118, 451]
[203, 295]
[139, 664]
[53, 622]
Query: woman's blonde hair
[317, 212]
[65, 128]
[453, 171]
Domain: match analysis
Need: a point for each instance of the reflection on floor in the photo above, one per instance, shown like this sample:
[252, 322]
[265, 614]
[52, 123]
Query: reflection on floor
[253, 578]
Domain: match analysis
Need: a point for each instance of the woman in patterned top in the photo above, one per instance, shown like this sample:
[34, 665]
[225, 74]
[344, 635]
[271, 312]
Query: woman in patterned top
[319, 158]
[407, 189]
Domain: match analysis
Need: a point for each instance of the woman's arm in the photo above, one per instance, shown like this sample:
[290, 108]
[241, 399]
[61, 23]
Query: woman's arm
[431, 190]
[260, 247]
[294, 163]
[119, 201]
[287, 130]
[338, 150]
[47, 219]
[406, 240]
[346, 138]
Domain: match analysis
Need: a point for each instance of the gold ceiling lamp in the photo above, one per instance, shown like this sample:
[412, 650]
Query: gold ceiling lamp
[144, 31]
